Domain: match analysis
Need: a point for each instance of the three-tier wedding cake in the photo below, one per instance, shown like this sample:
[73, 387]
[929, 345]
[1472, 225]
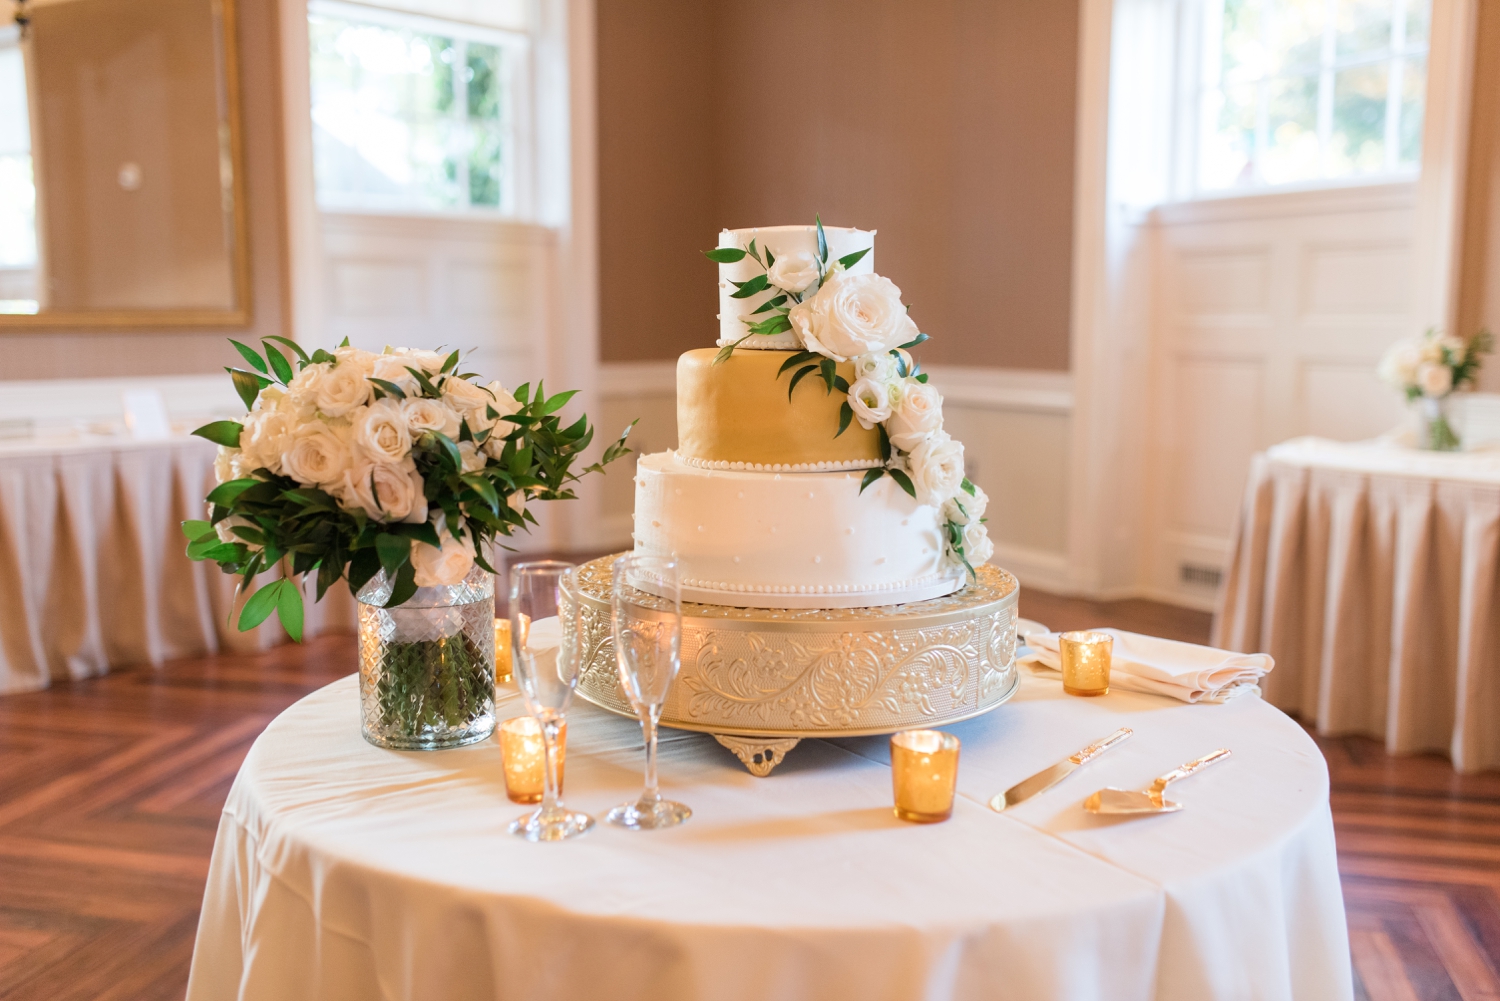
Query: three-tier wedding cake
[812, 468]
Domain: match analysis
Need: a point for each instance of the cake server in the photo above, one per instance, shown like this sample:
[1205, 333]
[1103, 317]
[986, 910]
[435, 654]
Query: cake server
[1152, 798]
[1049, 777]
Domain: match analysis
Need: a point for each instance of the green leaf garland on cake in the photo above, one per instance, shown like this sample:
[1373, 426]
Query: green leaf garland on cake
[839, 317]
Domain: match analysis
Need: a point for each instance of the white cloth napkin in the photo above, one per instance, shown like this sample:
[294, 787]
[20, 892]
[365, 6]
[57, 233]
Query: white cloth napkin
[1184, 671]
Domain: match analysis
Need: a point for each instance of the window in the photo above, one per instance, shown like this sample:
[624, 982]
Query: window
[412, 113]
[17, 192]
[1297, 91]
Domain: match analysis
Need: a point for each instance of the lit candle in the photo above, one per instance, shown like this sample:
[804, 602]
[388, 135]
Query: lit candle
[524, 758]
[502, 651]
[924, 771]
[1085, 662]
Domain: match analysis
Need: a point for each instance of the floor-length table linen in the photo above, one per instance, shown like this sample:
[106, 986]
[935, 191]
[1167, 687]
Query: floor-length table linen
[1368, 571]
[92, 564]
[346, 871]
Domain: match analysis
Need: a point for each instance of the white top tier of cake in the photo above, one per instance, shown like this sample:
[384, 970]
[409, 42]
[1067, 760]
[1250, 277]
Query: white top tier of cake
[789, 245]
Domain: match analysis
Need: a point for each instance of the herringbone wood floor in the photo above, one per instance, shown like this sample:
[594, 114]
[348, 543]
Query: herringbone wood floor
[110, 791]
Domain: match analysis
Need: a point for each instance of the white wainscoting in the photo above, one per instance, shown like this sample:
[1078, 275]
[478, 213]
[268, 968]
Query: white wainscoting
[1271, 313]
[1015, 426]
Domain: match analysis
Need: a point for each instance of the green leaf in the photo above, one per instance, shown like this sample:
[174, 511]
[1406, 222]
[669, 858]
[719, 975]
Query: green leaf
[822, 241]
[289, 608]
[900, 477]
[226, 493]
[746, 289]
[261, 604]
[725, 255]
[558, 402]
[195, 530]
[801, 357]
[450, 363]
[849, 260]
[770, 259]
[483, 487]
[775, 325]
[871, 475]
[914, 342]
[846, 414]
[404, 586]
[250, 355]
[345, 342]
[829, 368]
[454, 455]
[753, 254]
[968, 487]
[798, 377]
[247, 384]
[520, 393]
[773, 303]
[394, 551]
[279, 364]
[362, 566]
[421, 531]
[922, 378]
[250, 535]
[226, 433]
[297, 348]
[885, 444]
[389, 387]
[841, 384]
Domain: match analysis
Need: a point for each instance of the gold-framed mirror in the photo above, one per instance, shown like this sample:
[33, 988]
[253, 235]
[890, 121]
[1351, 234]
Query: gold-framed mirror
[122, 195]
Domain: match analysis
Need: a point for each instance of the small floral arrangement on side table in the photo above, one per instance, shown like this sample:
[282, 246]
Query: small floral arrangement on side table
[1429, 369]
[838, 317]
[393, 472]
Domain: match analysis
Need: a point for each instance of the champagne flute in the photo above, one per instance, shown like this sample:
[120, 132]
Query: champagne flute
[648, 645]
[546, 662]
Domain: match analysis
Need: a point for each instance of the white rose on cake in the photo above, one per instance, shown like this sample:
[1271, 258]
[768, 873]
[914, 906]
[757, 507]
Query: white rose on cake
[382, 432]
[853, 315]
[424, 414]
[1434, 379]
[937, 468]
[964, 508]
[879, 367]
[448, 565]
[977, 545]
[317, 455]
[870, 402]
[384, 491]
[794, 272]
[916, 414]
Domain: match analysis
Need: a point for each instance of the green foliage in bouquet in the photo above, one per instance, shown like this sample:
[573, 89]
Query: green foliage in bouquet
[261, 517]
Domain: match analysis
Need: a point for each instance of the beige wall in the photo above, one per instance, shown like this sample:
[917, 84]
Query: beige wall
[947, 125]
[1479, 266]
[47, 353]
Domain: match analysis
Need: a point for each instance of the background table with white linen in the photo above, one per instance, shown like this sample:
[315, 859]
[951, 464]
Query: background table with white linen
[92, 562]
[343, 871]
[1368, 571]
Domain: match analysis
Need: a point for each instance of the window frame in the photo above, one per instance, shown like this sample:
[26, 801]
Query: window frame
[518, 184]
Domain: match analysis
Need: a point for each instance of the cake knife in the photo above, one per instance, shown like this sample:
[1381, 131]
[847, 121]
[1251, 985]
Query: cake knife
[1049, 777]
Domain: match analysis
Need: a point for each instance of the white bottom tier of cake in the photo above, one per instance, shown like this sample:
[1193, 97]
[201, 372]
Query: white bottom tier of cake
[789, 540]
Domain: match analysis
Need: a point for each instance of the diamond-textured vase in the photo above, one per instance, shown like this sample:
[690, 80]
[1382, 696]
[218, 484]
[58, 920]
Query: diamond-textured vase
[1435, 425]
[427, 666]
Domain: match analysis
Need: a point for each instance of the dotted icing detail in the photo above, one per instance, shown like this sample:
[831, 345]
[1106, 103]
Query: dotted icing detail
[732, 588]
[778, 467]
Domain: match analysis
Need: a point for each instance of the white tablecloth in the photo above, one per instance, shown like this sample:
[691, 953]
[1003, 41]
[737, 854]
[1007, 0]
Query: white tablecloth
[1368, 572]
[93, 573]
[342, 871]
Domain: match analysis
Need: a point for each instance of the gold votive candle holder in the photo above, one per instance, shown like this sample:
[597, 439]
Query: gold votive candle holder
[1085, 662]
[924, 773]
[502, 651]
[524, 758]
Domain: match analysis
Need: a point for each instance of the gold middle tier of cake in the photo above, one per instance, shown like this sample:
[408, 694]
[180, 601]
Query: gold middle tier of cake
[763, 504]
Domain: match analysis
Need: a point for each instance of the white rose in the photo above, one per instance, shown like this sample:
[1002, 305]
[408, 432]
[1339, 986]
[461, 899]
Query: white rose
[870, 402]
[385, 491]
[228, 464]
[1431, 350]
[342, 389]
[1434, 379]
[880, 367]
[977, 545]
[266, 436]
[360, 359]
[447, 565]
[794, 272]
[430, 362]
[317, 455]
[469, 401]
[304, 385]
[937, 468]
[424, 414]
[381, 431]
[473, 458]
[853, 315]
[1398, 367]
[964, 509]
[916, 415]
[393, 369]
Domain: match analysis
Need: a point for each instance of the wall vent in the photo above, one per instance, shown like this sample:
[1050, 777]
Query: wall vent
[1200, 576]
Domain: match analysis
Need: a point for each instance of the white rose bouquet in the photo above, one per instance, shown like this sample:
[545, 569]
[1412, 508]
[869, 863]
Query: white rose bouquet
[839, 317]
[1429, 368]
[353, 462]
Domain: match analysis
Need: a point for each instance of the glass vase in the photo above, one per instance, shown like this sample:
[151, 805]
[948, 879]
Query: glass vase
[1435, 431]
[427, 666]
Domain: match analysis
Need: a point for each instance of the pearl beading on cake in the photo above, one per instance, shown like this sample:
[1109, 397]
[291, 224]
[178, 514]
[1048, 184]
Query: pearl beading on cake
[727, 587]
[778, 467]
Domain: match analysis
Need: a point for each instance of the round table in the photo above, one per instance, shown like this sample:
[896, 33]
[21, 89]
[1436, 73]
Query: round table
[345, 871]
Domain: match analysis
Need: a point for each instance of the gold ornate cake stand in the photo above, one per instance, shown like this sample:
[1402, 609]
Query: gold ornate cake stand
[761, 679]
